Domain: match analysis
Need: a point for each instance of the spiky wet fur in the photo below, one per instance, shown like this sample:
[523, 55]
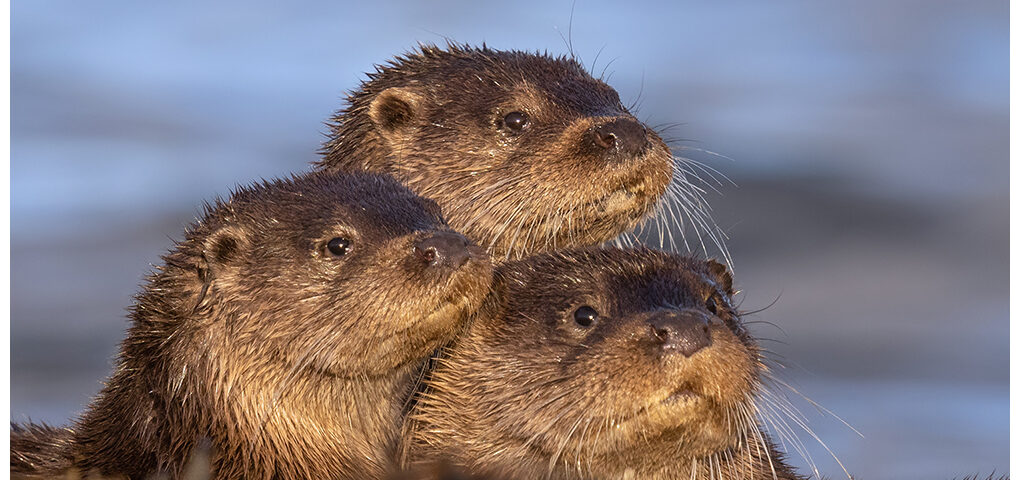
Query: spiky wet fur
[290, 363]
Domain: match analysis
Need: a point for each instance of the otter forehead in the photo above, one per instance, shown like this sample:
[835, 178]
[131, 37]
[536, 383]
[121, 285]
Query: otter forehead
[542, 80]
[369, 204]
[492, 77]
[624, 279]
[566, 84]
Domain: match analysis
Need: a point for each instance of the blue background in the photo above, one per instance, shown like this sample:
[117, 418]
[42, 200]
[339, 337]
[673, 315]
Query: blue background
[868, 141]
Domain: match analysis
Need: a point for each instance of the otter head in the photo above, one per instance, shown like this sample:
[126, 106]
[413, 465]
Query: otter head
[346, 275]
[286, 329]
[589, 363]
[524, 152]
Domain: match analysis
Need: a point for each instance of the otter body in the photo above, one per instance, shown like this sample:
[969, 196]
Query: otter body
[524, 152]
[284, 333]
[599, 364]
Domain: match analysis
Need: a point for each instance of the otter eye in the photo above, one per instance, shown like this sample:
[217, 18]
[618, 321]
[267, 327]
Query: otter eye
[712, 304]
[585, 316]
[339, 246]
[516, 121]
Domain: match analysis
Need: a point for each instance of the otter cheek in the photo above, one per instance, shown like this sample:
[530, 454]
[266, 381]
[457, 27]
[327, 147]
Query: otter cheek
[740, 377]
[619, 378]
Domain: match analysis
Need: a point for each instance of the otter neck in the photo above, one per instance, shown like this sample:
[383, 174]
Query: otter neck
[754, 459]
[178, 386]
[331, 426]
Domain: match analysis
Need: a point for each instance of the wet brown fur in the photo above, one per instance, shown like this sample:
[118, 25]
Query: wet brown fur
[434, 120]
[289, 362]
[529, 393]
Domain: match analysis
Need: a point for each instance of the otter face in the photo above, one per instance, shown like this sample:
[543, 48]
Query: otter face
[348, 275]
[525, 153]
[594, 361]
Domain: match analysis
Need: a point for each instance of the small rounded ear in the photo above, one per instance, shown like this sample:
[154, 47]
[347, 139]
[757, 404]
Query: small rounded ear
[223, 248]
[394, 109]
[722, 275]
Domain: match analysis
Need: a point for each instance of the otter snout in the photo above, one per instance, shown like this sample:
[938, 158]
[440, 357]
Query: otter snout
[680, 332]
[624, 136]
[443, 249]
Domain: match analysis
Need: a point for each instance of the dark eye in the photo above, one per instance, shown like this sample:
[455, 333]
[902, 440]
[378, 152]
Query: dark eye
[585, 316]
[516, 121]
[339, 246]
[712, 304]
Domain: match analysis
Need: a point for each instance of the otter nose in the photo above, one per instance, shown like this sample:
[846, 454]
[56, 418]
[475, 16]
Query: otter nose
[449, 249]
[624, 135]
[683, 332]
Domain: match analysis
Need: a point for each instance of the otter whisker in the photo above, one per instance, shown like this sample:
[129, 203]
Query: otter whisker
[559, 451]
[664, 227]
[709, 152]
[697, 222]
[670, 202]
[817, 405]
[714, 233]
[636, 104]
[662, 128]
[795, 415]
[690, 198]
[578, 452]
[787, 437]
[761, 444]
[712, 172]
[604, 424]
[691, 191]
[682, 171]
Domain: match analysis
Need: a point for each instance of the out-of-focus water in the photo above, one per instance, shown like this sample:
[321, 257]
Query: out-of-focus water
[869, 144]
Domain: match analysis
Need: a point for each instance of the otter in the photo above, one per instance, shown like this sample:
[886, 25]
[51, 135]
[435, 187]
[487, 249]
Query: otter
[598, 363]
[525, 152]
[285, 332]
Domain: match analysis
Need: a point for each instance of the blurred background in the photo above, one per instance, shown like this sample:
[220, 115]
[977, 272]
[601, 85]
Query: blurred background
[867, 139]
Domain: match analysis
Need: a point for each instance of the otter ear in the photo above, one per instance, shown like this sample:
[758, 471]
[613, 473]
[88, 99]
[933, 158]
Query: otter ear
[722, 275]
[394, 109]
[223, 248]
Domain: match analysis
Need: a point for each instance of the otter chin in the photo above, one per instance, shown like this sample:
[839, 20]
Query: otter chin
[281, 338]
[525, 153]
[598, 363]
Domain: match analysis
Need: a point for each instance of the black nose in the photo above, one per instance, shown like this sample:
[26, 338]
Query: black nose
[624, 135]
[683, 332]
[449, 249]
